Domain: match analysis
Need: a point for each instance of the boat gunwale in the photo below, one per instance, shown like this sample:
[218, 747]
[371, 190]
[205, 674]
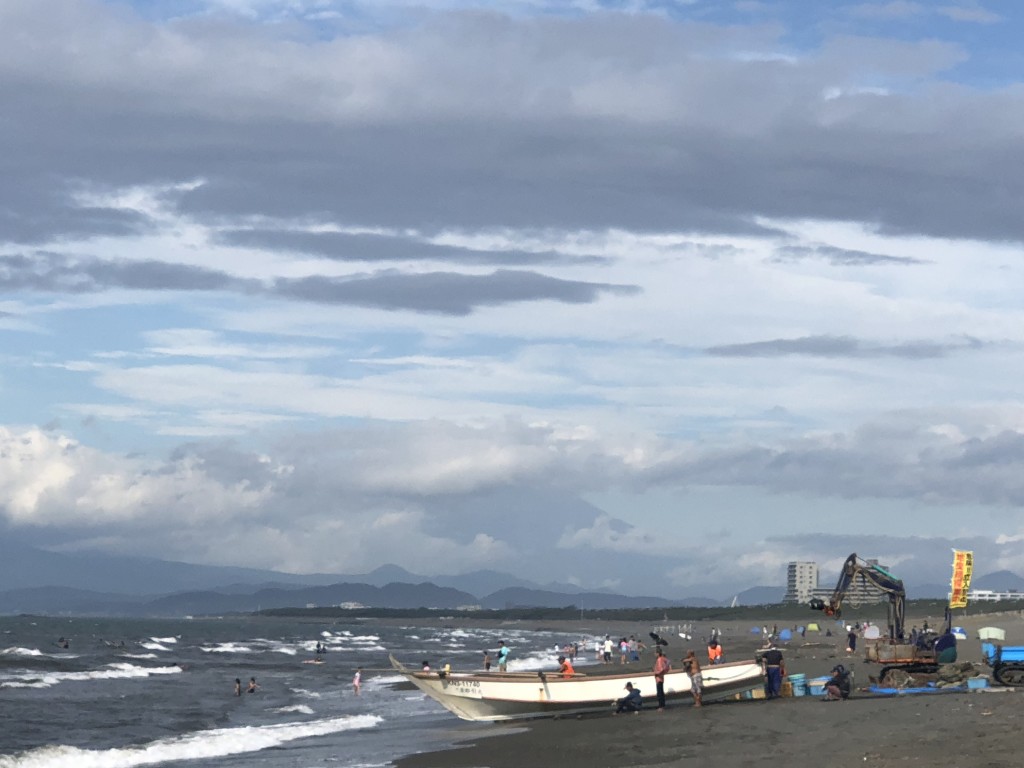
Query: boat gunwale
[554, 676]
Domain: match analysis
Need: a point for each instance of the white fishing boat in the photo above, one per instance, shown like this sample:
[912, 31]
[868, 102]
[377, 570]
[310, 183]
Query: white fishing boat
[517, 695]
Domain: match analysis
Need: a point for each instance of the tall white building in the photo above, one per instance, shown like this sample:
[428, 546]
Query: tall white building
[801, 582]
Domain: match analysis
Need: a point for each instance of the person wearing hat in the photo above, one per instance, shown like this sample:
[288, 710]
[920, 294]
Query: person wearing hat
[631, 702]
[774, 670]
[565, 667]
[838, 686]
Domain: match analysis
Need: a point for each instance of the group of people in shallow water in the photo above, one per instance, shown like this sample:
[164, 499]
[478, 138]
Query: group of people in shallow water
[357, 677]
[252, 688]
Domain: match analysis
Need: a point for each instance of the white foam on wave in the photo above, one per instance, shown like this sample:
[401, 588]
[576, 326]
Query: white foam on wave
[227, 648]
[310, 694]
[139, 655]
[17, 651]
[110, 672]
[200, 745]
[533, 661]
[164, 639]
[154, 647]
[382, 681]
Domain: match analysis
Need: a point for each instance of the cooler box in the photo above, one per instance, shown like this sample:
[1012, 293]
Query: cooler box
[816, 686]
[975, 683]
[798, 684]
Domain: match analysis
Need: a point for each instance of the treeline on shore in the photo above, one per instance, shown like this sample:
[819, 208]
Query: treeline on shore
[789, 612]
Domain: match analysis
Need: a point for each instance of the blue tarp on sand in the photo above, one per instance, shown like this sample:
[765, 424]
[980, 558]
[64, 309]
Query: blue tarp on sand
[929, 689]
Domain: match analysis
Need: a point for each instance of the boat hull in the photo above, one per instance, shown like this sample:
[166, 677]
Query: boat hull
[513, 696]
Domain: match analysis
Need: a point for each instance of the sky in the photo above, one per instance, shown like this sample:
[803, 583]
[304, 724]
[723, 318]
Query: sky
[647, 296]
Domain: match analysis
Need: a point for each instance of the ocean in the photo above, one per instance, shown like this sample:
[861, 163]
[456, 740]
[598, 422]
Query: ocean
[132, 692]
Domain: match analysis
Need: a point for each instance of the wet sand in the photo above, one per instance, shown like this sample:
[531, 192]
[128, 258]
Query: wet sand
[970, 729]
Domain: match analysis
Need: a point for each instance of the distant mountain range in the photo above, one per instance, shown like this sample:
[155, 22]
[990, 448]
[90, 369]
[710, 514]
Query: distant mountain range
[43, 582]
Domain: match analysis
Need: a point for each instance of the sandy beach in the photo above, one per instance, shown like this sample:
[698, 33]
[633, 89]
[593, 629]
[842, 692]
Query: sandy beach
[967, 729]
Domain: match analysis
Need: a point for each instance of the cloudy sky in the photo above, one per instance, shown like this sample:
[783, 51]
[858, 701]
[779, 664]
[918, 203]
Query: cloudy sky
[643, 295]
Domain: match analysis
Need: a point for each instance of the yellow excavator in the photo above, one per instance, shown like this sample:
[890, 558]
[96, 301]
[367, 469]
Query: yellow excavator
[895, 651]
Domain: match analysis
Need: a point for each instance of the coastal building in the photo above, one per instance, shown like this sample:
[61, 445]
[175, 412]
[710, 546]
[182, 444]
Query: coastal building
[802, 585]
[801, 582]
[992, 596]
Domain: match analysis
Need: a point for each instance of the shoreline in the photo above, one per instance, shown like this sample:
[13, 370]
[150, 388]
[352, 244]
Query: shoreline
[970, 728]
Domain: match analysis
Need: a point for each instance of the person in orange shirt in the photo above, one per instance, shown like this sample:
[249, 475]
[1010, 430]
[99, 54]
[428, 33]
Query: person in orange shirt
[565, 667]
[714, 653]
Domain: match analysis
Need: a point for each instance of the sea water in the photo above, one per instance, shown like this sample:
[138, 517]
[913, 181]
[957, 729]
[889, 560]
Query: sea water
[135, 692]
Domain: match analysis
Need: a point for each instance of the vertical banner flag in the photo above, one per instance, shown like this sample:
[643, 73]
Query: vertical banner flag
[963, 565]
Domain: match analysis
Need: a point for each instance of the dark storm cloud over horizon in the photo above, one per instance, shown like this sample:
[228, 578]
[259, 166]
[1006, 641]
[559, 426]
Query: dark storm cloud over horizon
[908, 161]
[432, 292]
[343, 246]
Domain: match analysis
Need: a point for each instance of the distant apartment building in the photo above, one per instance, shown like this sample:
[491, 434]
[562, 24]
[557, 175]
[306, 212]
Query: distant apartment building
[801, 582]
[802, 585]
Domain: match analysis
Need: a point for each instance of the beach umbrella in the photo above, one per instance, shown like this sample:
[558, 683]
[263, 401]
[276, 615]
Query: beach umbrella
[785, 634]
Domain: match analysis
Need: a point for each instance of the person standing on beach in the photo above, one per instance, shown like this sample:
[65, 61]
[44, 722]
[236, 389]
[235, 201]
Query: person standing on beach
[608, 649]
[851, 641]
[502, 656]
[774, 671]
[661, 666]
[487, 661]
[357, 680]
[692, 667]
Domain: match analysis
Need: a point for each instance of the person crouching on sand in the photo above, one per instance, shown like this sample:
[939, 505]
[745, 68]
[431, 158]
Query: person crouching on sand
[631, 702]
[715, 652]
[565, 667]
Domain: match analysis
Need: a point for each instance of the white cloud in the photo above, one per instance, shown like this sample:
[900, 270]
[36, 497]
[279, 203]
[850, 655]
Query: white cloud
[780, 272]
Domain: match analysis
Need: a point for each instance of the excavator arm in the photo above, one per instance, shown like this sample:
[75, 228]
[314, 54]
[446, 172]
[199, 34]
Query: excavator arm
[878, 577]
